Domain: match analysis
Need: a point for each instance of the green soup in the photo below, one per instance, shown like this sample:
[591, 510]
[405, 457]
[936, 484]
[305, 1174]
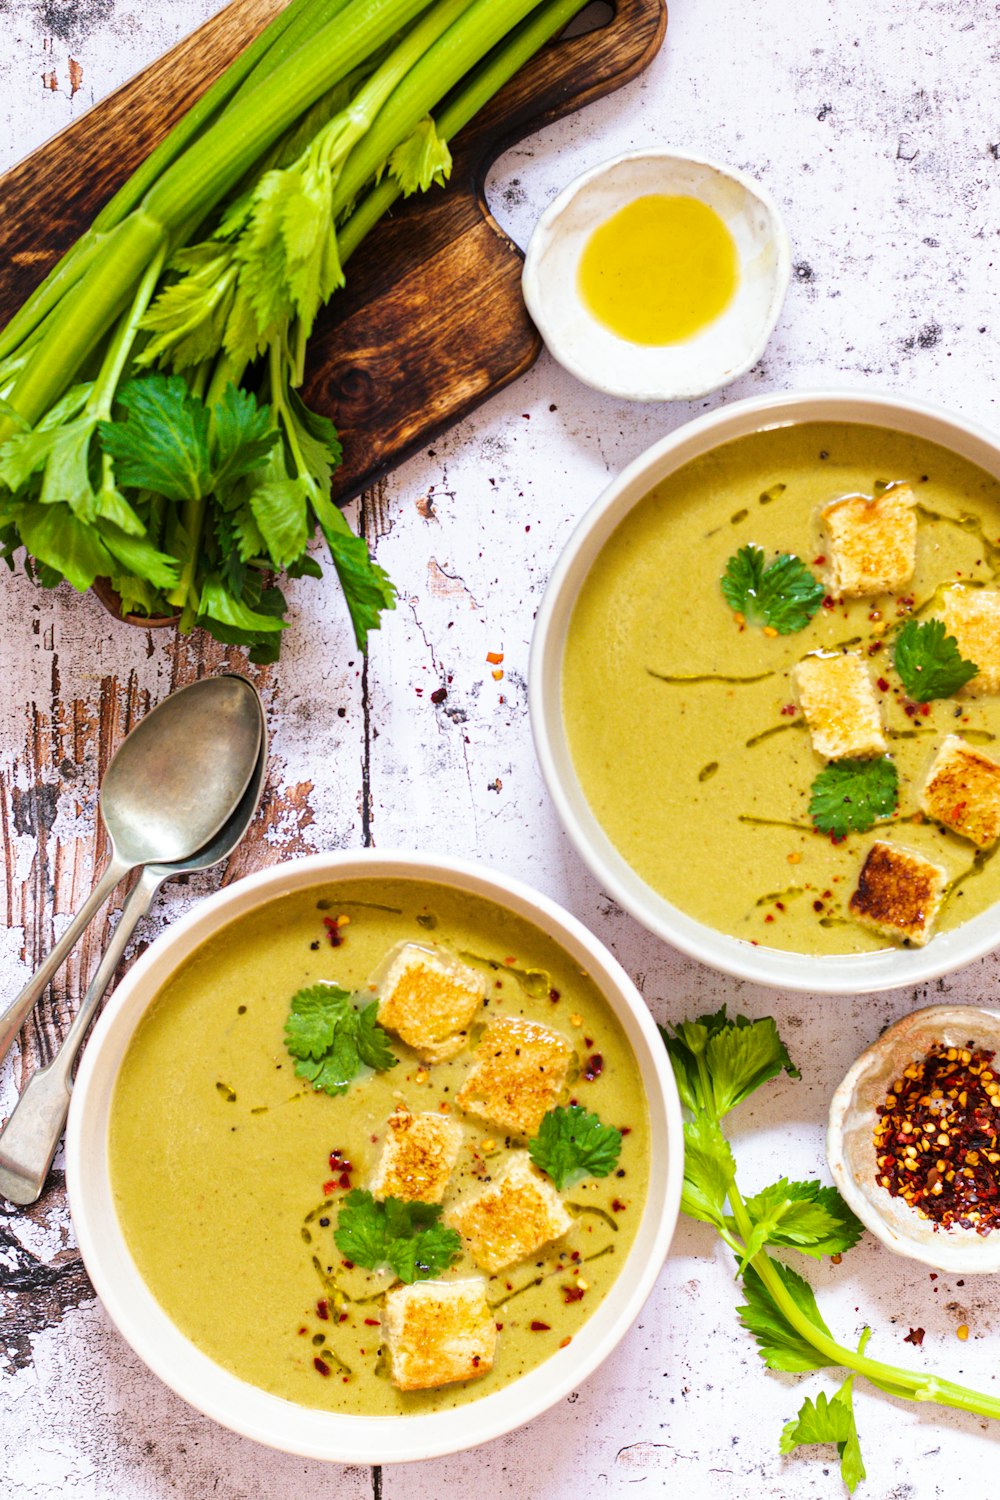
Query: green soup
[220, 1156]
[700, 776]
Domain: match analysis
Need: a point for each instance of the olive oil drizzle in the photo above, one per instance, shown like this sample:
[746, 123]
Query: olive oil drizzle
[686, 679]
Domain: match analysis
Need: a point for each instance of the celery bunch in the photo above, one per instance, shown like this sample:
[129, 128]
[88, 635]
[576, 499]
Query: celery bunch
[151, 430]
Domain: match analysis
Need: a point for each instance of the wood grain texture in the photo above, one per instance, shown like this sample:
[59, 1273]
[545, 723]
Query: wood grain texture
[432, 321]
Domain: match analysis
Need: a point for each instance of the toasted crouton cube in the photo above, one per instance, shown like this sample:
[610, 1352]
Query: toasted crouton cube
[840, 706]
[972, 616]
[872, 541]
[519, 1069]
[512, 1218]
[899, 892]
[962, 791]
[418, 1156]
[438, 1332]
[429, 998]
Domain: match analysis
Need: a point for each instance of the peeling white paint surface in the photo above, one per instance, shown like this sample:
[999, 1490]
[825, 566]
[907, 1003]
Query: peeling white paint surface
[877, 127]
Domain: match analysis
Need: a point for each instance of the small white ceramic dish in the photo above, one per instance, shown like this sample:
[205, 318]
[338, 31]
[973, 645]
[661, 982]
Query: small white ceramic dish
[886, 969]
[247, 1409]
[851, 1152]
[722, 351]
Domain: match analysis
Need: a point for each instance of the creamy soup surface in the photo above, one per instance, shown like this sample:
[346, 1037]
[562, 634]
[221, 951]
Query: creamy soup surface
[700, 776]
[221, 1157]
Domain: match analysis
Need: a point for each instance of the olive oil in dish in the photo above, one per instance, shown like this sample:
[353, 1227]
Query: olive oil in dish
[659, 270]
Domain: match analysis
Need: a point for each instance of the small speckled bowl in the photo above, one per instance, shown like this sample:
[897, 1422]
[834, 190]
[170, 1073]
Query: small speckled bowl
[851, 1152]
[723, 350]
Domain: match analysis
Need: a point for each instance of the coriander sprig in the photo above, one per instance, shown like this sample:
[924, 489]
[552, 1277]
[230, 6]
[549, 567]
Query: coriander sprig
[717, 1063]
[928, 661]
[572, 1143]
[784, 595]
[406, 1236]
[332, 1041]
[850, 796]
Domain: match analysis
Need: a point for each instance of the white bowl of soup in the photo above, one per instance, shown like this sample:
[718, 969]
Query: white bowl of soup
[670, 728]
[221, 1146]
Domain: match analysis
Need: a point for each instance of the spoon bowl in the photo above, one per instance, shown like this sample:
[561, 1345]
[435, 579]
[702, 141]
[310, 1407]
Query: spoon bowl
[172, 784]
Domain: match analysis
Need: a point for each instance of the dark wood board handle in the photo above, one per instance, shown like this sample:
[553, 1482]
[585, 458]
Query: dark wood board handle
[431, 322]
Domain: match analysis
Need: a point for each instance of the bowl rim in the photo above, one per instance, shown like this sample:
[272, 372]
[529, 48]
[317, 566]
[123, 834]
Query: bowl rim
[942, 1253]
[840, 974]
[247, 1409]
[531, 275]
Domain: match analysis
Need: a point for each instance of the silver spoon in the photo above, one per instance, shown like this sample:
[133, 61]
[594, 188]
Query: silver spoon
[29, 1139]
[171, 785]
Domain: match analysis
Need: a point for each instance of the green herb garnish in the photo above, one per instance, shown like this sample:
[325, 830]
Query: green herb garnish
[784, 595]
[332, 1041]
[572, 1143]
[717, 1063]
[850, 796]
[404, 1235]
[929, 662]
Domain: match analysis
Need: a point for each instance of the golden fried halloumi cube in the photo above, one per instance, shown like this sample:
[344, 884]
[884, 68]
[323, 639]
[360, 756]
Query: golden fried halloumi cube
[840, 706]
[972, 616]
[872, 541]
[512, 1218]
[899, 892]
[519, 1068]
[962, 791]
[428, 997]
[438, 1332]
[418, 1156]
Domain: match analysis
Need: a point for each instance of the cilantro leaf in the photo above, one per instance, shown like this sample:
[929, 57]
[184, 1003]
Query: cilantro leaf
[784, 595]
[850, 796]
[406, 1236]
[929, 662]
[829, 1421]
[812, 1219]
[780, 1345]
[331, 1041]
[572, 1143]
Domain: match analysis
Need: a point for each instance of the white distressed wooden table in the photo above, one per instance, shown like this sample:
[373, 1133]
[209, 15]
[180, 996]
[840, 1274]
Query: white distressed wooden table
[878, 129]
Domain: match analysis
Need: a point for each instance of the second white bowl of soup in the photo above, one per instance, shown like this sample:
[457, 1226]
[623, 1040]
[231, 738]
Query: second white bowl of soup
[324, 1156]
[670, 726]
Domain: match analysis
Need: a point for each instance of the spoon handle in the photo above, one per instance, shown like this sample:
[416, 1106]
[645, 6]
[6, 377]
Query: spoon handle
[17, 1012]
[29, 1139]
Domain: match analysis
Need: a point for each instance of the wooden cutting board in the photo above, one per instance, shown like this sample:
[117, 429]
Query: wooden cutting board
[431, 322]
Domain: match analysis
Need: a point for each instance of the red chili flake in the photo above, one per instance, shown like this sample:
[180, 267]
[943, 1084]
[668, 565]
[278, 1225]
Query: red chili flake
[575, 1255]
[439, 695]
[910, 710]
[323, 1309]
[915, 1336]
[321, 1365]
[348, 1265]
[937, 1138]
[594, 1067]
[780, 905]
[475, 1361]
[769, 917]
[925, 709]
[372, 1323]
[342, 1318]
[333, 931]
[554, 995]
[881, 684]
[875, 648]
[624, 1130]
[537, 1327]
[617, 1206]
[588, 1041]
[339, 1162]
[817, 906]
[819, 561]
[329, 1187]
[303, 1330]
[789, 711]
[565, 1343]
[829, 602]
[572, 1294]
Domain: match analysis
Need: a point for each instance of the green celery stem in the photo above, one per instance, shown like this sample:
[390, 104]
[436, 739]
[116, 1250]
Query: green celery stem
[905, 1383]
[464, 44]
[496, 70]
[215, 163]
[88, 312]
[302, 19]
